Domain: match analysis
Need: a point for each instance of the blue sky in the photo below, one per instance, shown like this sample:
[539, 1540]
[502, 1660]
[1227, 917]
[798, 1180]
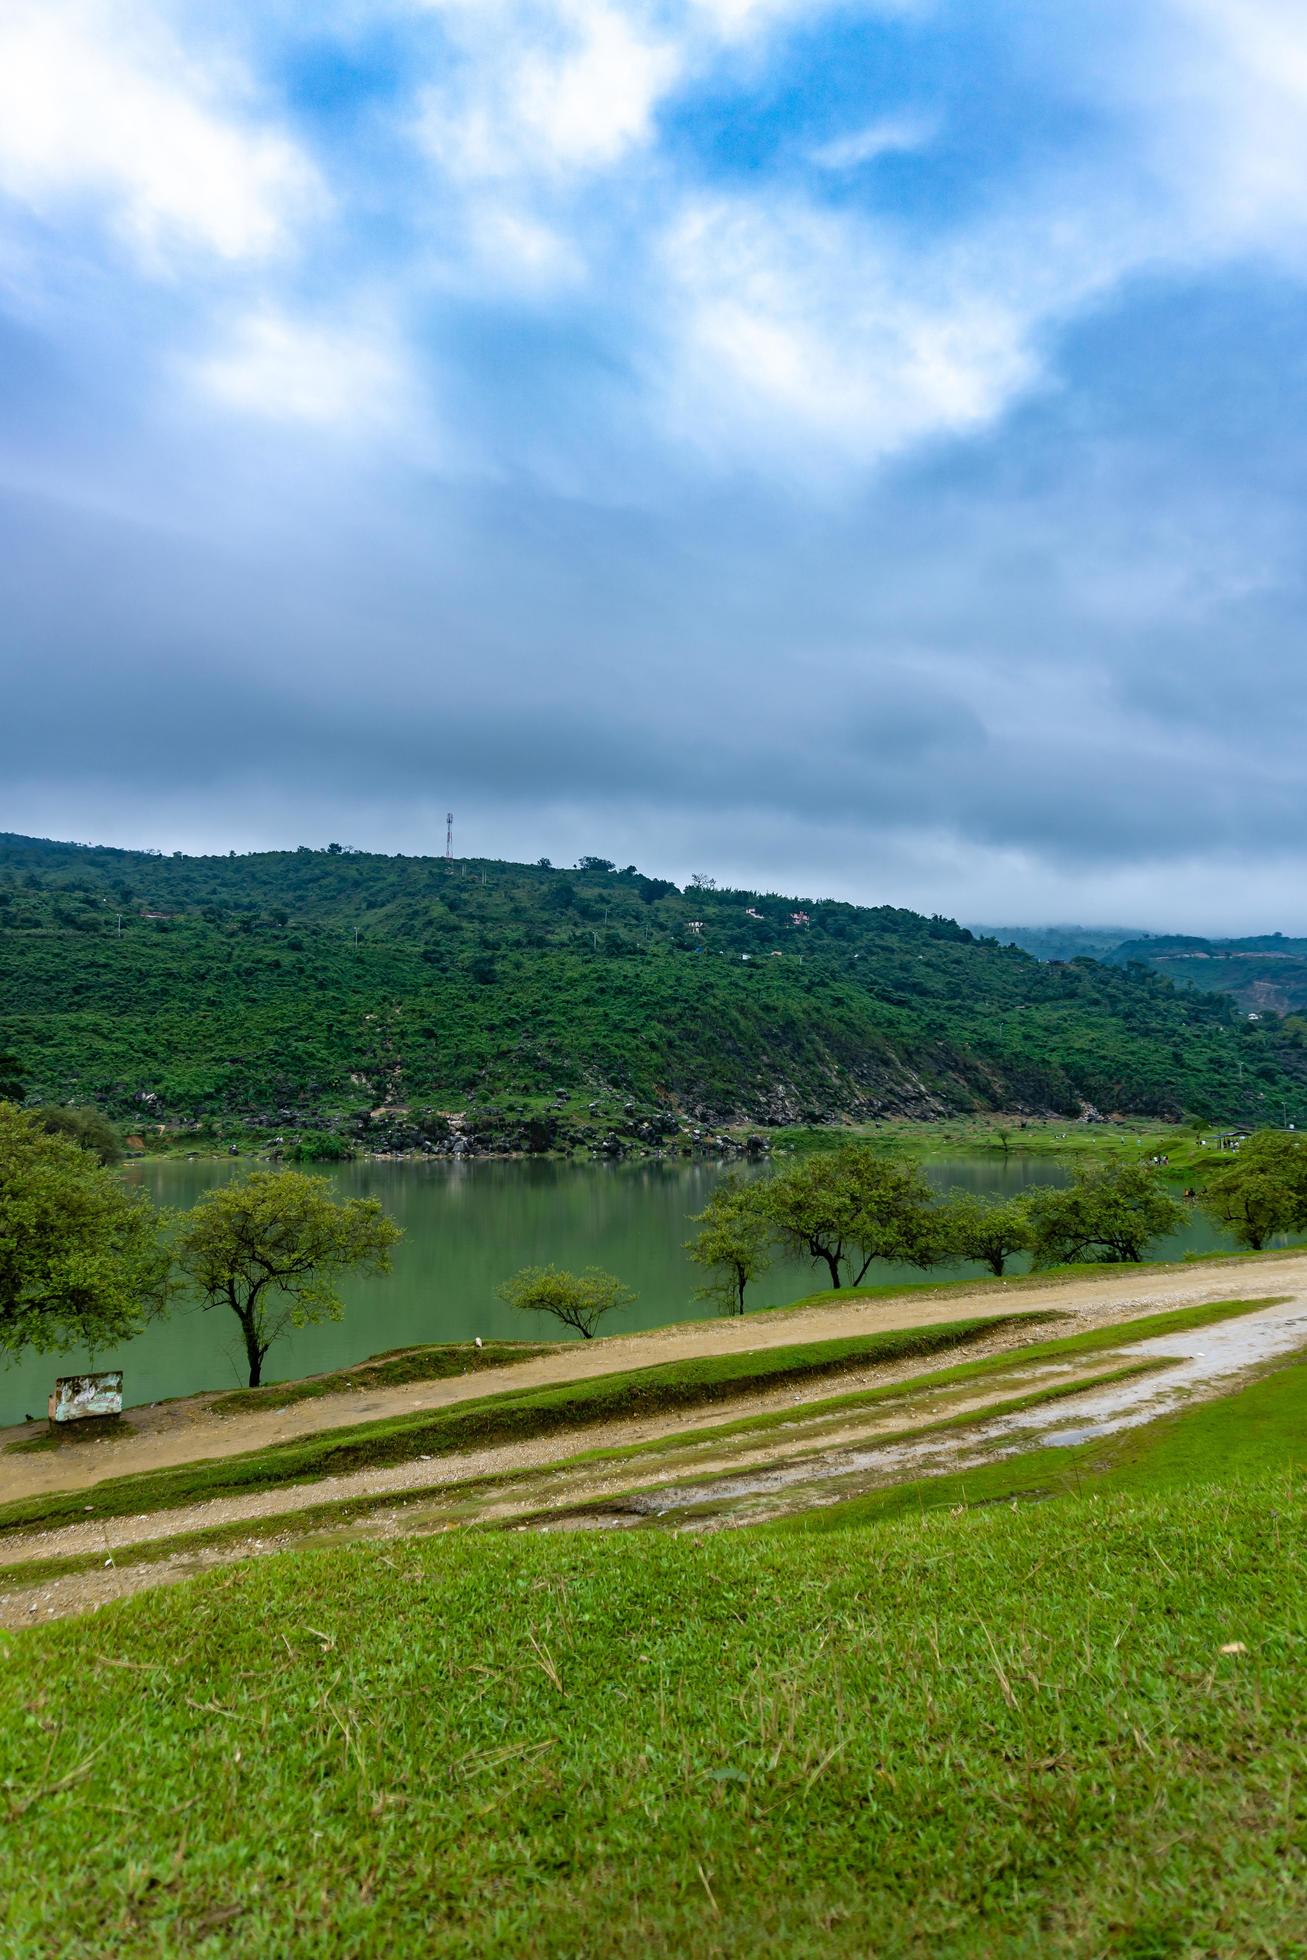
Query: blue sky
[854, 448]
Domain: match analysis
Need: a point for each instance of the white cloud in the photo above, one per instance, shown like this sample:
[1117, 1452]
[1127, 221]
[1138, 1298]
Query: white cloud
[1231, 120]
[97, 100]
[800, 336]
[292, 371]
[887, 136]
[797, 328]
[740, 19]
[561, 88]
[514, 248]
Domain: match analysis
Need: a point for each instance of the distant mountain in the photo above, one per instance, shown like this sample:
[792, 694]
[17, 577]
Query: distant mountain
[380, 994]
[1265, 975]
[1062, 942]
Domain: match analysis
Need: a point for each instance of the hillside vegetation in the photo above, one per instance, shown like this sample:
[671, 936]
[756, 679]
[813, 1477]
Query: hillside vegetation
[309, 989]
[1266, 975]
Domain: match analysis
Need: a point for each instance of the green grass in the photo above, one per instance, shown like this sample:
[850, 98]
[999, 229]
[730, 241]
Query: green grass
[1178, 1320]
[391, 1370]
[1255, 1431]
[491, 1420]
[1003, 1733]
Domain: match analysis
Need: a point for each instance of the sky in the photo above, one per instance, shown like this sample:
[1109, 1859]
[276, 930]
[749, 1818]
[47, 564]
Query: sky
[855, 449]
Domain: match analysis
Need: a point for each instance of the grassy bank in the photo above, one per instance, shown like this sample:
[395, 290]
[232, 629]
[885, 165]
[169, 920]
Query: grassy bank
[1259, 1430]
[1016, 1733]
[1094, 1340]
[394, 1369]
[391, 1370]
[1191, 1152]
[490, 1420]
[340, 1514]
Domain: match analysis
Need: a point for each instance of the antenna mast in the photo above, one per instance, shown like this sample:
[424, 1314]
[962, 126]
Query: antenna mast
[449, 834]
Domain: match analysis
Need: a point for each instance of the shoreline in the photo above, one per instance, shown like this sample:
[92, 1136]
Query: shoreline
[165, 1431]
[986, 1138]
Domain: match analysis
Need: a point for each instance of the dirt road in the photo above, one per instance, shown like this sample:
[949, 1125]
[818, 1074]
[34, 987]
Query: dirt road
[191, 1431]
[269, 1514]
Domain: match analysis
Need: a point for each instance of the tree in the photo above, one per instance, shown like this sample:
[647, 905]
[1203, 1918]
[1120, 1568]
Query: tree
[988, 1230]
[87, 1126]
[579, 1300]
[1112, 1211]
[1262, 1190]
[13, 1085]
[844, 1208]
[81, 1263]
[272, 1247]
[736, 1242]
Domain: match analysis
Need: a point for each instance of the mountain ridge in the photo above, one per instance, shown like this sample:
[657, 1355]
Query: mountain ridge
[315, 988]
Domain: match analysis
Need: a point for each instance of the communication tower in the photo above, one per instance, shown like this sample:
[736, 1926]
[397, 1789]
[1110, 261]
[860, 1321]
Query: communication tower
[449, 834]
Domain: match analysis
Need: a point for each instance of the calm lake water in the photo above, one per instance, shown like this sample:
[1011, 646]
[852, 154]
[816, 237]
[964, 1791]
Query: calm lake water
[467, 1226]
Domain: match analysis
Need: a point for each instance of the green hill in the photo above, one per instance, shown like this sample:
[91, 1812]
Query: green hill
[310, 988]
[1062, 942]
[1265, 975]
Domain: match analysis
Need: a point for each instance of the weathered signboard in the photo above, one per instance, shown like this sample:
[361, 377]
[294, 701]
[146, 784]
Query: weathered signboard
[75, 1397]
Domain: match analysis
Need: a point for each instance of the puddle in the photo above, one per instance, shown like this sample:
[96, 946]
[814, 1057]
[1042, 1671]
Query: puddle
[1204, 1359]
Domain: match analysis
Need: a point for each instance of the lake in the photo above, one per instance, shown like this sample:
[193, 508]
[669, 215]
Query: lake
[467, 1226]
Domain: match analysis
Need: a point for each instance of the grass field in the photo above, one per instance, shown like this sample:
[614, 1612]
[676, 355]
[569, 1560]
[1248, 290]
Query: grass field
[1025, 1733]
[937, 1723]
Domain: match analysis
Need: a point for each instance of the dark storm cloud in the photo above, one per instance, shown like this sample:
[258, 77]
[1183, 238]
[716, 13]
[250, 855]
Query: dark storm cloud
[158, 661]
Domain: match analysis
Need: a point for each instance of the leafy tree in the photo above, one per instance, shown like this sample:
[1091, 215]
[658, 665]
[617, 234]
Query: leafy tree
[735, 1243]
[988, 1230]
[579, 1300]
[1262, 1190]
[320, 1147]
[1112, 1211]
[13, 1085]
[844, 1208]
[81, 1263]
[272, 1247]
[87, 1126]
